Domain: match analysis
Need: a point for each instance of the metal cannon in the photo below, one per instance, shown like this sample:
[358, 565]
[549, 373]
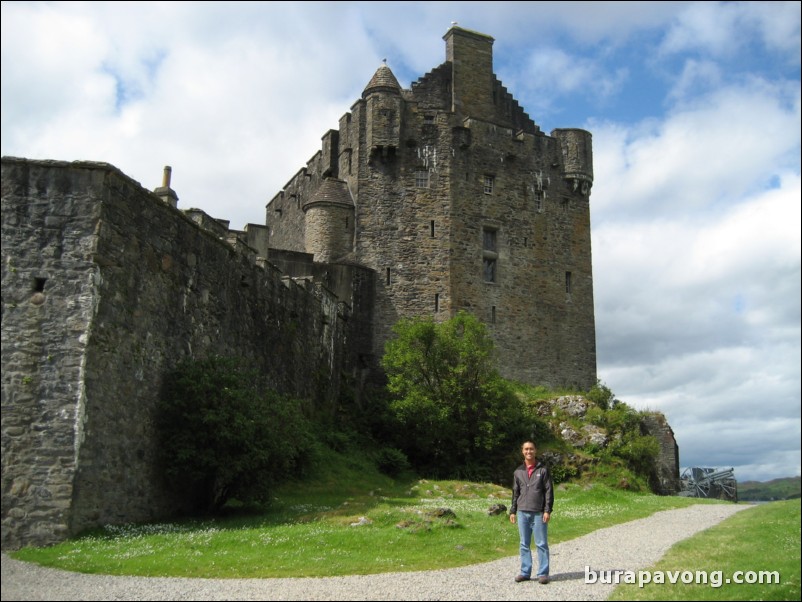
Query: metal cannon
[714, 483]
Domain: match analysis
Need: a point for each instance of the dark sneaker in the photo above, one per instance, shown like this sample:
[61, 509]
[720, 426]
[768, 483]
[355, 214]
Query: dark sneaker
[543, 579]
[519, 578]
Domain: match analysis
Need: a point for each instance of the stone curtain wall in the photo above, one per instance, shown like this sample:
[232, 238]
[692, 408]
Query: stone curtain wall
[49, 295]
[131, 287]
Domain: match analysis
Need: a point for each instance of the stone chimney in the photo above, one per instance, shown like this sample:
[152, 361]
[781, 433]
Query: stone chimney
[164, 191]
[471, 56]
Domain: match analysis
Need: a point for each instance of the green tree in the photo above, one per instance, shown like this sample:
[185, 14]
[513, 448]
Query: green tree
[602, 396]
[223, 438]
[457, 416]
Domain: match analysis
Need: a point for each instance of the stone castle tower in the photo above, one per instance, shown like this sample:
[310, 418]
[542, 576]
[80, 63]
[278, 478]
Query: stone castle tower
[424, 202]
[456, 200]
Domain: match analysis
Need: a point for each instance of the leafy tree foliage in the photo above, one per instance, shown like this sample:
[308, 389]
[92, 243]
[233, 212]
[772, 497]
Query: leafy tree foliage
[602, 396]
[457, 416]
[623, 424]
[223, 438]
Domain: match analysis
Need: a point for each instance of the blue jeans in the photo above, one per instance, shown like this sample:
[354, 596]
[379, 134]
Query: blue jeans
[529, 523]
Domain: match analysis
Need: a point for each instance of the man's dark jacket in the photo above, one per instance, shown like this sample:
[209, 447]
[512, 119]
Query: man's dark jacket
[532, 494]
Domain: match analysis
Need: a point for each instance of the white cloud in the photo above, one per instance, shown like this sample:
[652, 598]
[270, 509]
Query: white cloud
[709, 26]
[696, 76]
[725, 28]
[707, 152]
[548, 75]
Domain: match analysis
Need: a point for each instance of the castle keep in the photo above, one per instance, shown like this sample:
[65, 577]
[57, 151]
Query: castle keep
[456, 200]
[426, 201]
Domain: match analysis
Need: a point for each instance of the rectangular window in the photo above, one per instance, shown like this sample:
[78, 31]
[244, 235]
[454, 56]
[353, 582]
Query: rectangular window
[568, 282]
[421, 178]
[388, 276]
[436, 302]
[490, 270]
[489, 183]
[431, 225]
[493, 314]
[538, 201]
[489, 254]
[489, 240]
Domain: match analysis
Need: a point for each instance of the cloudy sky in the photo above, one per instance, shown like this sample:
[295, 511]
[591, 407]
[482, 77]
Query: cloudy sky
[694, 109]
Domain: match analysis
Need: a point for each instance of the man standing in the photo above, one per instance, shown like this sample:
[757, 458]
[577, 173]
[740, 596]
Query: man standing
[532, 502]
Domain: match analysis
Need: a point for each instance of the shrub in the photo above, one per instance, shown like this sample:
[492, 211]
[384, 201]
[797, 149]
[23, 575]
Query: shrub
[391, 461]
[223, 438]
[602, 396]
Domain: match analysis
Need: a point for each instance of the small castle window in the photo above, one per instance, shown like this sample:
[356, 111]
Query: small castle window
[568, 282]
[431, 226]
[489, 270]
[428, 119]
[489, 254]
[489, 183]
[538, 201]
[388, 276]
[489, 239]
[493, 314]
[436, 302]
[421, 178]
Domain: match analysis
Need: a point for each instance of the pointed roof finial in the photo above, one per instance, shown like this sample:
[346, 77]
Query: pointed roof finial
[382, 81]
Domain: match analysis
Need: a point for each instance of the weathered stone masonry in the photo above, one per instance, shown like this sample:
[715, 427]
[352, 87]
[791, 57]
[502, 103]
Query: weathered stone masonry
[105, 288]
[456, 200]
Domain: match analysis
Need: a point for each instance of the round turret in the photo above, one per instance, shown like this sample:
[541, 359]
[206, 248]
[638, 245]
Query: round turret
[382, 81]
[329, 231]
[577, 148]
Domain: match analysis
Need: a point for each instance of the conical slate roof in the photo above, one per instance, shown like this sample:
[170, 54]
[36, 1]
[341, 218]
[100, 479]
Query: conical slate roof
[331, 192]
[382, 81]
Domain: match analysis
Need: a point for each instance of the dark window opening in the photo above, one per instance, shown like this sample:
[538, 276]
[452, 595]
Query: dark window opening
[388, 276]
[493, 314]
[568, 282]
[39, 285]
[431, 226]
[489, 240]
[538, 202]
[436, 302]
[489, 254]
[490, 270]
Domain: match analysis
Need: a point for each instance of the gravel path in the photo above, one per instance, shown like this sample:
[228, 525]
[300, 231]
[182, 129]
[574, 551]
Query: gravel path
[632, 546]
